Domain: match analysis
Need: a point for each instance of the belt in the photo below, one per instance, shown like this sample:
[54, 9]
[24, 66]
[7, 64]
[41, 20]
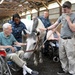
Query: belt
[66, 38]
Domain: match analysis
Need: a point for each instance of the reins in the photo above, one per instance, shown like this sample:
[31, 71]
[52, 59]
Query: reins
[49, 36]
[43, 42]
[34, 47]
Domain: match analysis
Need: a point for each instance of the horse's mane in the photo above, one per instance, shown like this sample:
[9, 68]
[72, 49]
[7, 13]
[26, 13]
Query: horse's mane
[40, 25]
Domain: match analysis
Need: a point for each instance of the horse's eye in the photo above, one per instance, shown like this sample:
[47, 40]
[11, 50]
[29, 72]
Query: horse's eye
[35, 43]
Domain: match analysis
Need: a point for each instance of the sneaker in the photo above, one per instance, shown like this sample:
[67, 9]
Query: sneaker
[34, 73]
[24, 72]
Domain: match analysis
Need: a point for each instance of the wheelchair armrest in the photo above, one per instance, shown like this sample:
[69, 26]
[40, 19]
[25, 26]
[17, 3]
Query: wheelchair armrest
[3, 52]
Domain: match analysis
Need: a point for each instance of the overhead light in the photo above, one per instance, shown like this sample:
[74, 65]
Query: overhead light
[20, 5]
[1, 1]
[26, 2]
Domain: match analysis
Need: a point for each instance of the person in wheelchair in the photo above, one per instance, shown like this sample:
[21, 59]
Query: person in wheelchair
[6, 42]
[53, 37]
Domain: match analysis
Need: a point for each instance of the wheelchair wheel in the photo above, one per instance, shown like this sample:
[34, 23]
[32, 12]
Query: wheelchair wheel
[4, 67]
[13, 66]
[1, 68]
[8, 72]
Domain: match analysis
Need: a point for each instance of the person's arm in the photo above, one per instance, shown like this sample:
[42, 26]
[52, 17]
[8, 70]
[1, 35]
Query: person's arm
[58, 34]
[5, 47]
[19, 44]
[55, 24]
[50, 35]
[42, 29]
[14, 41]
[24, 26]
[71, 25]
[24, 33]
[52, 26]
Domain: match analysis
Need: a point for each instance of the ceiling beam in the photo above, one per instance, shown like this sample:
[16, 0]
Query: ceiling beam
[37, 1]
[58, 2]
[34, 5]
[45, 5]
[60, 7]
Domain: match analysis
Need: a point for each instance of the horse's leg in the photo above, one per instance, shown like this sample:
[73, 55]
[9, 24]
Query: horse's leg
[40, 57]
[40, 52]
[24, 41]
[35, 59]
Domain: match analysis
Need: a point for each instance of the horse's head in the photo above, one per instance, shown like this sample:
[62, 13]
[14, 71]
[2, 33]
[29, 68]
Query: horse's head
[33, 27]
[40, 25]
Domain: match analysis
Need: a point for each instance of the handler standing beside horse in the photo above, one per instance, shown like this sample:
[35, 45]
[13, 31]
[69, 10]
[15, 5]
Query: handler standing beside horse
[46, 22]
[17, 27]
[67, 41]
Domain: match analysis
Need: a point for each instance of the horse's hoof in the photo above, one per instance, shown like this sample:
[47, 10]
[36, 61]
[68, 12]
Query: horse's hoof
[25, 62]
[40, 61]
[35, 63]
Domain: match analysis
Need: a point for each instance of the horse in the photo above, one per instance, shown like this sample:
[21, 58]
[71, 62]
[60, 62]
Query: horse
[34, 41]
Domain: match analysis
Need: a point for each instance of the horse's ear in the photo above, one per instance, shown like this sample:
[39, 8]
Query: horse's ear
[35, 19]
[35, 24]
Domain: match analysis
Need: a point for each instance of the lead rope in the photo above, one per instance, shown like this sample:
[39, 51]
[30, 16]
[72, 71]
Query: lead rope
[50, 35]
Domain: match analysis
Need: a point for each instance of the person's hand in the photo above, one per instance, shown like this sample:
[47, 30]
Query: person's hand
[12, 48]
[68, 18]
[20, 44]
[56, 39]
[42, 29]
[26, 35]
[23, 44]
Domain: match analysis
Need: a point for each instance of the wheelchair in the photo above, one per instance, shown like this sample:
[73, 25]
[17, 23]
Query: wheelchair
[7, 66]
[12, 65]
[51, 49]
[4, 68]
